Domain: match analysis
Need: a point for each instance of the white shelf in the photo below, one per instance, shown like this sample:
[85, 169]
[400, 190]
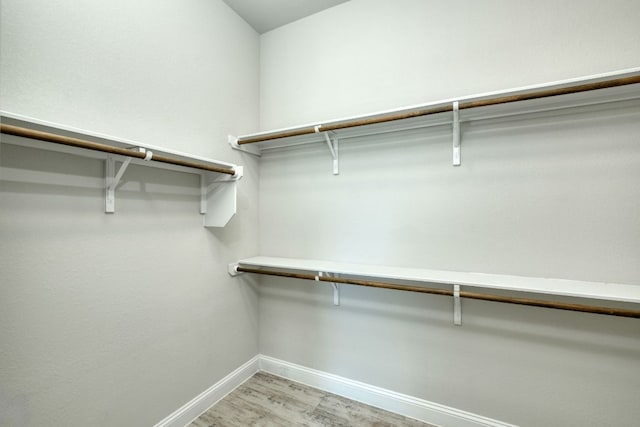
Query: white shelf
[218, 196]
[572, 288]
[60, 129]
[587, 99]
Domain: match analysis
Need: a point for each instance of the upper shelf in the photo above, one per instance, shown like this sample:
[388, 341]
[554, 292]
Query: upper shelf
[217, 196]
[177, 160]
[611, 87]
[572, 288]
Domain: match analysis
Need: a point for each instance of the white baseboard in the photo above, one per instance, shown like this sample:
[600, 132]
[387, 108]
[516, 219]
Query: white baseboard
[423, 410]
[196, 406]
[412, 407]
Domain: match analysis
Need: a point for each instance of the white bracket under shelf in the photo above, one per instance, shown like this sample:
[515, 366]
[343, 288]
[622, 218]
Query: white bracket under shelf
[112, 179]
[218, 198]
[332, 143]
[203, 193]
[336, 288]
[206, 187]
[456, 134]
[249, 148]
[457, 309]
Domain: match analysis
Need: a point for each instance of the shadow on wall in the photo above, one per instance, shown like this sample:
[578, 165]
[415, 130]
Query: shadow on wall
[51, 174]
[579, 332]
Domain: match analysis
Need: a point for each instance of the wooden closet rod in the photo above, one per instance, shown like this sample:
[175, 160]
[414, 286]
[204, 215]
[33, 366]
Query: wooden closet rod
[471, 295]
[96, 146]
[443, 108]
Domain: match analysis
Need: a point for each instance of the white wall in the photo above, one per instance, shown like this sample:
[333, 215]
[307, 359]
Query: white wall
[113, 320]
[365, 56]
[553, 196]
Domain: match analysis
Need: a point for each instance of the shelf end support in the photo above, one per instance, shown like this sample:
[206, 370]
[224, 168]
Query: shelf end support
[232, 269]
[250, 149]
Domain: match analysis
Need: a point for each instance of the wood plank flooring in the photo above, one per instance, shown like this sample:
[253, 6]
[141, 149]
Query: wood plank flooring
[267, 400]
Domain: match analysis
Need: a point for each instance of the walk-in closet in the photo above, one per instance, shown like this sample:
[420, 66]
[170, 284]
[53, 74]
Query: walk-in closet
[319, 213]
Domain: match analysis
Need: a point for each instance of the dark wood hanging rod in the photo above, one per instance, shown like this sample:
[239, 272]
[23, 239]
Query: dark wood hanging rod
[441, 109]
[96, 146]
[464, 294]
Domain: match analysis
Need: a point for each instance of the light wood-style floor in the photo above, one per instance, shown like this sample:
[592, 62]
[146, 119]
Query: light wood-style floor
[268, 400]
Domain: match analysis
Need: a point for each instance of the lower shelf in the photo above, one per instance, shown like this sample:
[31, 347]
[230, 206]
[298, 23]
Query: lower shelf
[333, 272]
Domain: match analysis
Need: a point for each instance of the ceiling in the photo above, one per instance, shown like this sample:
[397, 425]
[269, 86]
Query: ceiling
[265, 15]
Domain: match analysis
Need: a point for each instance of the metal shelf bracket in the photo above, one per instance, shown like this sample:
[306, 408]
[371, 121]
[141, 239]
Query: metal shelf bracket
[336, 294]
[203, 193]
[456, 134]
[457, 310]
[112, 179]
[332, 142]
[336, 288]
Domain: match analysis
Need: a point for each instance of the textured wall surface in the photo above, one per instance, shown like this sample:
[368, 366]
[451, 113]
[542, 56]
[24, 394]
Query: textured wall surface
[548, 196]
[118, 320]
